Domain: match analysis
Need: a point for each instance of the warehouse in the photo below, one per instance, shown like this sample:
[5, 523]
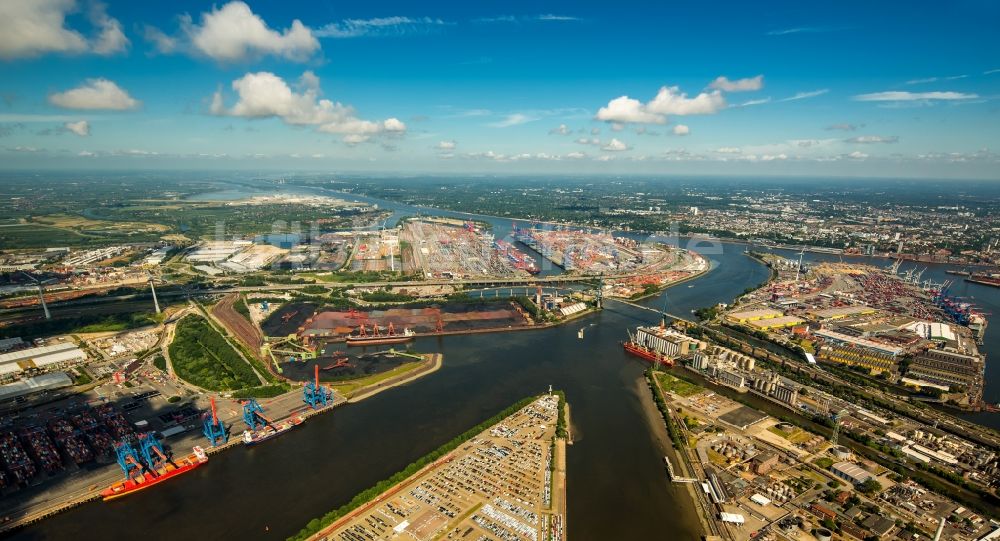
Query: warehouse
[51, 356]
[851, 472]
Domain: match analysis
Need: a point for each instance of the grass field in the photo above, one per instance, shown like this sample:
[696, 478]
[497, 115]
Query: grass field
[347, 387]
[797, 435]
[671, 384]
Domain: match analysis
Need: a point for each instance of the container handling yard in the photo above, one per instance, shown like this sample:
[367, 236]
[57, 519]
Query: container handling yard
[76, 444]
[506, 483]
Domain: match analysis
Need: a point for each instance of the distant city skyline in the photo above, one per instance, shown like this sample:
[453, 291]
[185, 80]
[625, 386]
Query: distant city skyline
[835, 89]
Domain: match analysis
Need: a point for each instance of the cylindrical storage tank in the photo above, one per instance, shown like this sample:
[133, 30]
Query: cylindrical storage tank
[840, 452]
[822, 534]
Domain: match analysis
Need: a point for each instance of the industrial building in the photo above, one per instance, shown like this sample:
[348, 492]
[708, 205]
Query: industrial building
[851, 472]
[42, 382]
[946, 368]
[754, 315]
[667, 341]
[44, 357]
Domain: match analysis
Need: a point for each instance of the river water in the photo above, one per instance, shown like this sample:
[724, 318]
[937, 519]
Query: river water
[616, 483]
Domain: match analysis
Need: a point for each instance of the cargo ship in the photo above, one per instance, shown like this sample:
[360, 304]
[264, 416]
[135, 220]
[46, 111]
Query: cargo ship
[149, 477]
[984, 279]
[268, 431]
[635, 346]
[364, 338]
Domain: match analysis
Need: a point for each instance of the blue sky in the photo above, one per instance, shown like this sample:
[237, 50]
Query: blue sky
[790, 88]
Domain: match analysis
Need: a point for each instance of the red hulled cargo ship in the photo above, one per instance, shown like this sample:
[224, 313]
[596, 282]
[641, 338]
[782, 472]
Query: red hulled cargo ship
[633, 346]
[149, 478]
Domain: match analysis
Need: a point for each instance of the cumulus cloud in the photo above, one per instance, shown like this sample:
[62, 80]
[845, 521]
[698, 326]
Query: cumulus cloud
[30, 28]
[740, 85]
[614, 145]
[729, 150]
[584, 141]
[871, 139]
[379, 26]
[843, 127]
[81, 128]
[265, 95]
[95, 94]
[626, 109]
[896, 95]
[234, 33]
[681, 129]
[562, 129]
[668, 101]
[446, 145]
[856, 155]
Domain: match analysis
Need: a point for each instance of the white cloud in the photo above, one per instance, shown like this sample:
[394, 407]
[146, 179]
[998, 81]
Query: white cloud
[751, 103]
[234, 33]
[584, 141]
[729, 150]
[934, 79]
[843, 127]
[626, 109]
[161, 41]
[870, 139]
[595, 131]
[95, 94]
[111, 39]
[896, 95]
[264, 94]
[355, 138]
[681, 129]
[561, 130]
[446, 145]
[81, 128]
[24, 149]
[805, 95]
[576, 155]
[614, 145]
[30, 28]
[740, 85]
[393, 125]
[857, 155]
[514, 119]
[380, 26]
[668, 101]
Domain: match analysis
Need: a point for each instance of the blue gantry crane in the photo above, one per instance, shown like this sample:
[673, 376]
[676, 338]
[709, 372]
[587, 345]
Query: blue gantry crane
[213, 428]
[128, 459]
[253, 415]
[316, 395]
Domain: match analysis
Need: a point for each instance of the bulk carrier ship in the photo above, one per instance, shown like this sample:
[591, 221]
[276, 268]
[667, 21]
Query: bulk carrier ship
[641, 346]
[363, 338]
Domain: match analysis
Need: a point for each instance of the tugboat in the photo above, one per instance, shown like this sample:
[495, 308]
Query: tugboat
[363, 338]
[148, 466]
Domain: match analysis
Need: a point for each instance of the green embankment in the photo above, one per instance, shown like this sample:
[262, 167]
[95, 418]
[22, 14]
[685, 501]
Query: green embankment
[317, 524]
[201, 356]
